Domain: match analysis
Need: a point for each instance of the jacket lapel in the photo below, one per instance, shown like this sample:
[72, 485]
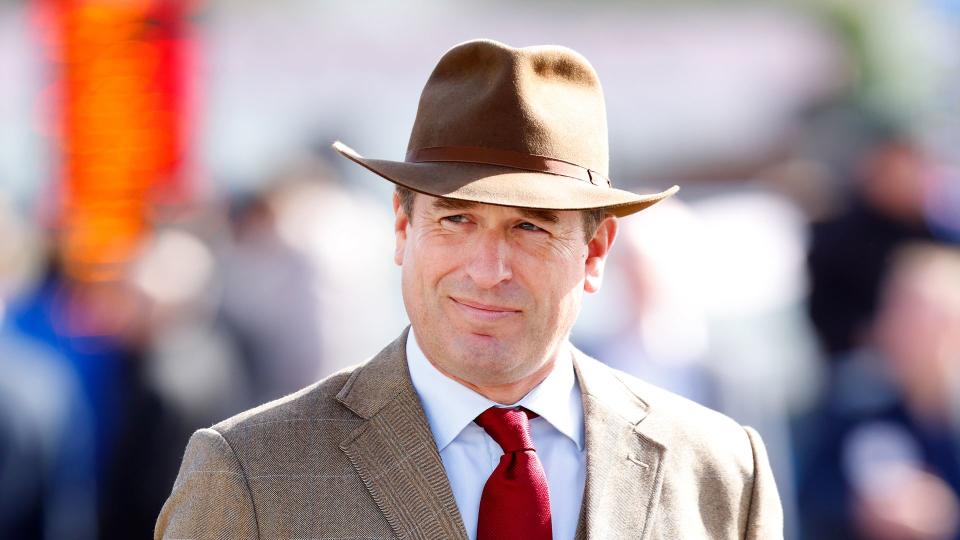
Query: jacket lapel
[623, 463]
[394, 452]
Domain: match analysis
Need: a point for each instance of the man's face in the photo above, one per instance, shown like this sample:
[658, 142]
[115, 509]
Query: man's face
[492, 291]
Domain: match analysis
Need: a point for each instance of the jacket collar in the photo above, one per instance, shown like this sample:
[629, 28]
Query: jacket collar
[395, 455]
[624, 473]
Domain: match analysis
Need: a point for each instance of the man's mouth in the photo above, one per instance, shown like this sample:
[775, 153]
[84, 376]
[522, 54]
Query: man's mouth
[483, 311]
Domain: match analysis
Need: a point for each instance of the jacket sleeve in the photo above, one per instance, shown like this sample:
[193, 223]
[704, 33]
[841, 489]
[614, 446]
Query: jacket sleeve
[765, 518]
[211, 497]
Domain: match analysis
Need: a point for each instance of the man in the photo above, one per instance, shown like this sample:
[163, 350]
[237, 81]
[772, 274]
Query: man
[481, 420]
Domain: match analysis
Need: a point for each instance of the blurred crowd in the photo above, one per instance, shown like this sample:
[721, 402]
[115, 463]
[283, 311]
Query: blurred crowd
[830, 322]
[103, 382]
[813, 294]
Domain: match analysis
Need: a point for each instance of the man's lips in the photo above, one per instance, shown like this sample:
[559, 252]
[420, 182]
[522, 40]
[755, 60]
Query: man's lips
[486, 312]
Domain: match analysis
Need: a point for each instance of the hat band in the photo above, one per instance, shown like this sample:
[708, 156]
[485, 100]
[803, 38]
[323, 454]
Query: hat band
[508, 158]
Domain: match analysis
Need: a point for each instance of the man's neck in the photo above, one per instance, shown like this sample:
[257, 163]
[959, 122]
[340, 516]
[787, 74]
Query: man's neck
[508, 393]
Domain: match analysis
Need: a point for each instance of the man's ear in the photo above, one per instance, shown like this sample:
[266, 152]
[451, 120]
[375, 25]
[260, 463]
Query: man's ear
[400, 229]
[597, 250]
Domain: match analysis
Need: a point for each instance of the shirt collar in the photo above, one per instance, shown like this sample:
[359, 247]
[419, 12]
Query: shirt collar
[450, 406]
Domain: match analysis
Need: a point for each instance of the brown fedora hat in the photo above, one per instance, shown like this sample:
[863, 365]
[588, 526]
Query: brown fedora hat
[515, 127]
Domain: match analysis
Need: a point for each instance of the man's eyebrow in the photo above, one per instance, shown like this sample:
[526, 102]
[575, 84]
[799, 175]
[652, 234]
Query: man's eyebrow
[549, 216]
[542, 215]
[441, 203]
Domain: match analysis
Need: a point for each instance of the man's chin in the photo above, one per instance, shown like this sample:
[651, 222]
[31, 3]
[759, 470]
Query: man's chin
[483, 344]
[490, 358]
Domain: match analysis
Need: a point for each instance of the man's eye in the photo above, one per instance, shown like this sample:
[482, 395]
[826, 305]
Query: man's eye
[527, 226]
[459, 218]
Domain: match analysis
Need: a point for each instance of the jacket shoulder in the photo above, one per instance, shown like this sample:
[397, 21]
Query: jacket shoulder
[691, 418]
[327, 401]
[280, 472]
[315, 400]
[682, 411]
[312, 404]
[684, 426]
[707, 456]
[211, 495]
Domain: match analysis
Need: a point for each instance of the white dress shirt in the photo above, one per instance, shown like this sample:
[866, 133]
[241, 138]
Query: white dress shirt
[469, 455]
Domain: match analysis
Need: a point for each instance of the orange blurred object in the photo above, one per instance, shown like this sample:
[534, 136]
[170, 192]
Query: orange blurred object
[120, 118]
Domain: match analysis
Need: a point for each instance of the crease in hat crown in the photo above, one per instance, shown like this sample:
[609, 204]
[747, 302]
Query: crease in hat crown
[512, 126]
[543, 100]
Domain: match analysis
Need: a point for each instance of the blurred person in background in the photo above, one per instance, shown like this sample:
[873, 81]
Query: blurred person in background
[268, 302]
[311, 209]
[77, 354]
[288, 295]
[193, 360]
[47, 478]
[884, 462]
[179, 368]
[850, 251]
[655, 326]
[48, 487]
[104, 329]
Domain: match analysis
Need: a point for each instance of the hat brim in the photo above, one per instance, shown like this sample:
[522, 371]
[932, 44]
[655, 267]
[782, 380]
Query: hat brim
[505, 186]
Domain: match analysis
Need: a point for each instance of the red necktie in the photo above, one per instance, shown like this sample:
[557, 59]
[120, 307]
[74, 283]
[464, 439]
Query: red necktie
[516, 502]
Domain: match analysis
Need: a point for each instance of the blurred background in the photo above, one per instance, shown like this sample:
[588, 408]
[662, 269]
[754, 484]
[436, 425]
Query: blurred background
[178, 242]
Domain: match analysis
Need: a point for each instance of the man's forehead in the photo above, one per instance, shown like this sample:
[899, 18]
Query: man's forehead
[443, 203]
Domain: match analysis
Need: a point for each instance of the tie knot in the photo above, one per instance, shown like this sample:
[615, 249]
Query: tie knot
[509, 427]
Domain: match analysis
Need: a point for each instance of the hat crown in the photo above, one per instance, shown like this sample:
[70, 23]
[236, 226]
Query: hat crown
[543, 100]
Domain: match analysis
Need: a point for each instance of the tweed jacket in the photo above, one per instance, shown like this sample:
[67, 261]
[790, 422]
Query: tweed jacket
[352, 457]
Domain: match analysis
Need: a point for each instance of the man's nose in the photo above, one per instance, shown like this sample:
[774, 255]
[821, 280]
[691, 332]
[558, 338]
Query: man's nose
[489, 261]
